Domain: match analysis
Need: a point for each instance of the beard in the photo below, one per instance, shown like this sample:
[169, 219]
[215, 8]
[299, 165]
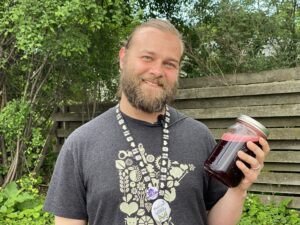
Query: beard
[147, 100]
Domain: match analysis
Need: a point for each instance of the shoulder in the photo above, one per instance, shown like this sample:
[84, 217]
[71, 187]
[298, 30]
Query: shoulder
[180, 119]
[94, 129]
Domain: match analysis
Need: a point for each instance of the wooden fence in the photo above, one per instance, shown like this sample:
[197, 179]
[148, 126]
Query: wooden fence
[272, 97]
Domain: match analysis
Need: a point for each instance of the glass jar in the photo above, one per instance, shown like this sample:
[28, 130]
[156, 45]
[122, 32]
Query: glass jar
[221, 163]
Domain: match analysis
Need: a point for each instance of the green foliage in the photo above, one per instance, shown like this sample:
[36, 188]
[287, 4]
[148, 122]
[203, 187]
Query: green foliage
[13, 121]
[53, 52]
[255, 212]
[35, 145]
[30, 183]
[242, 36]
[22, 205]
[55, 27]
[76, 41]
[173, 10]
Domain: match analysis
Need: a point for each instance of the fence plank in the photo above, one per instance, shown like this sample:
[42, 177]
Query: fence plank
[284, 157]
[275, 133]
[295, 203]
[242, 78]
[253, 111]
[272, 122]
[275, 188]
[240, 90]
[282, 167]
[90, 108]
[279, 178]
[285, 144]
[63, 133]
[70, 117]
[272, 99]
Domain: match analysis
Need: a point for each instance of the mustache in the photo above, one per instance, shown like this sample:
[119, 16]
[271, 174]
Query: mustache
[156, 80]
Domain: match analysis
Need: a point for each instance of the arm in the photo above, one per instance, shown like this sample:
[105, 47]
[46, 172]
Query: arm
[66, 193]
[67, 221]
[228, 210]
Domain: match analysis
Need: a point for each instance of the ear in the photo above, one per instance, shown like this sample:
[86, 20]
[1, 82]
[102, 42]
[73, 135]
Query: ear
[122, 54]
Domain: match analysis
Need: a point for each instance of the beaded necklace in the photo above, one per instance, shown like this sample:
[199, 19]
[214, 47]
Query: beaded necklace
[160, 208]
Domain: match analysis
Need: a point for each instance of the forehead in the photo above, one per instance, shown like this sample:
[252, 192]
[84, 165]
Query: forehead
[153, 39]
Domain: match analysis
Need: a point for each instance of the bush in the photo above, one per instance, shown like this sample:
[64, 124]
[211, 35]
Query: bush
[21, 126]
[22, 205]
[257, 213]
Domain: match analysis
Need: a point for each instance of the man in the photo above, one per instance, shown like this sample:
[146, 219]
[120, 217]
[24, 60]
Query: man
[141, 162]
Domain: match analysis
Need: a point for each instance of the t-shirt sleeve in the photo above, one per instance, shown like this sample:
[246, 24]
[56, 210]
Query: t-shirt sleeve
[214, 188]
[66, 193]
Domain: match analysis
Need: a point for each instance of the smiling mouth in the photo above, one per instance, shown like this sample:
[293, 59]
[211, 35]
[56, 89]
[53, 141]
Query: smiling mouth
[153, 83]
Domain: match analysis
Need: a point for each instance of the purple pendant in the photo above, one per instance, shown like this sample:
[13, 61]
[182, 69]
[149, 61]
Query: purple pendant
[152, 193]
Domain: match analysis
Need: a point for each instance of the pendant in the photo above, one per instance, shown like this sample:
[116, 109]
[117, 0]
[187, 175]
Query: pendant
[160, 210]
[152, 193]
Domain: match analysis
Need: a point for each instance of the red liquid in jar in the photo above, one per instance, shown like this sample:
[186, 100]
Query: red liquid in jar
[222, 161]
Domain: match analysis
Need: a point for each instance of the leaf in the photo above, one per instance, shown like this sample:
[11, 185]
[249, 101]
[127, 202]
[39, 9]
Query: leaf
[184, 166]
[24, 197]
[12, 215]
[170, 184]
[3, 209]
[176, 183]
[11, 190]
[129, 197]
[141, 212]
[120, 164]
[1, 198]
[36, 215]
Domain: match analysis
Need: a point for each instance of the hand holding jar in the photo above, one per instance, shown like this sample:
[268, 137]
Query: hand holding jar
[240, 153]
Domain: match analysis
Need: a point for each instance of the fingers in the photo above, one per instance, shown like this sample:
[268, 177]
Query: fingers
[260, 152]
[265, 146]
[250, 174]
[258, 159]
[256, 162]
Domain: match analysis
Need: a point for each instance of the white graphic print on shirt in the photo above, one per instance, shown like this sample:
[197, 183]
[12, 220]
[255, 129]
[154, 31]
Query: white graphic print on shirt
[133, 186]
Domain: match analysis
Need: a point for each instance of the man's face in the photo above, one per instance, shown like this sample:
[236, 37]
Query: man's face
[150, 69]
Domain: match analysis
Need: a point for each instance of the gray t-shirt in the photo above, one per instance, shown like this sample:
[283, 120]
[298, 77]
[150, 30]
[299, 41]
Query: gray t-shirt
[97, 179]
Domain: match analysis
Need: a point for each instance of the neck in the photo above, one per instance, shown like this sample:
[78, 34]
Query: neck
[135, 113]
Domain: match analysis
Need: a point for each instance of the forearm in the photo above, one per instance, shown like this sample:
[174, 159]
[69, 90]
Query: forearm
[228, 210]
[66, 221]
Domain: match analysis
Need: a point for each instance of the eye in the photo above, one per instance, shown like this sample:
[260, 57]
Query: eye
[171, 65]
[147, 58]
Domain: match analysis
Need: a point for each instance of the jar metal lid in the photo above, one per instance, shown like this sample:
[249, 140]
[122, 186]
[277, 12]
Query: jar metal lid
[254, 123]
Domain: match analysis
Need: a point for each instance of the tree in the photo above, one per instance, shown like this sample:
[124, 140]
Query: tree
[242, 36]
[51, 50]
[286, 37]
[173, 10]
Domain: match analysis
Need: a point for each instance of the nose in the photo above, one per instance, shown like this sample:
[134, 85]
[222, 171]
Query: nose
[157, 69]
